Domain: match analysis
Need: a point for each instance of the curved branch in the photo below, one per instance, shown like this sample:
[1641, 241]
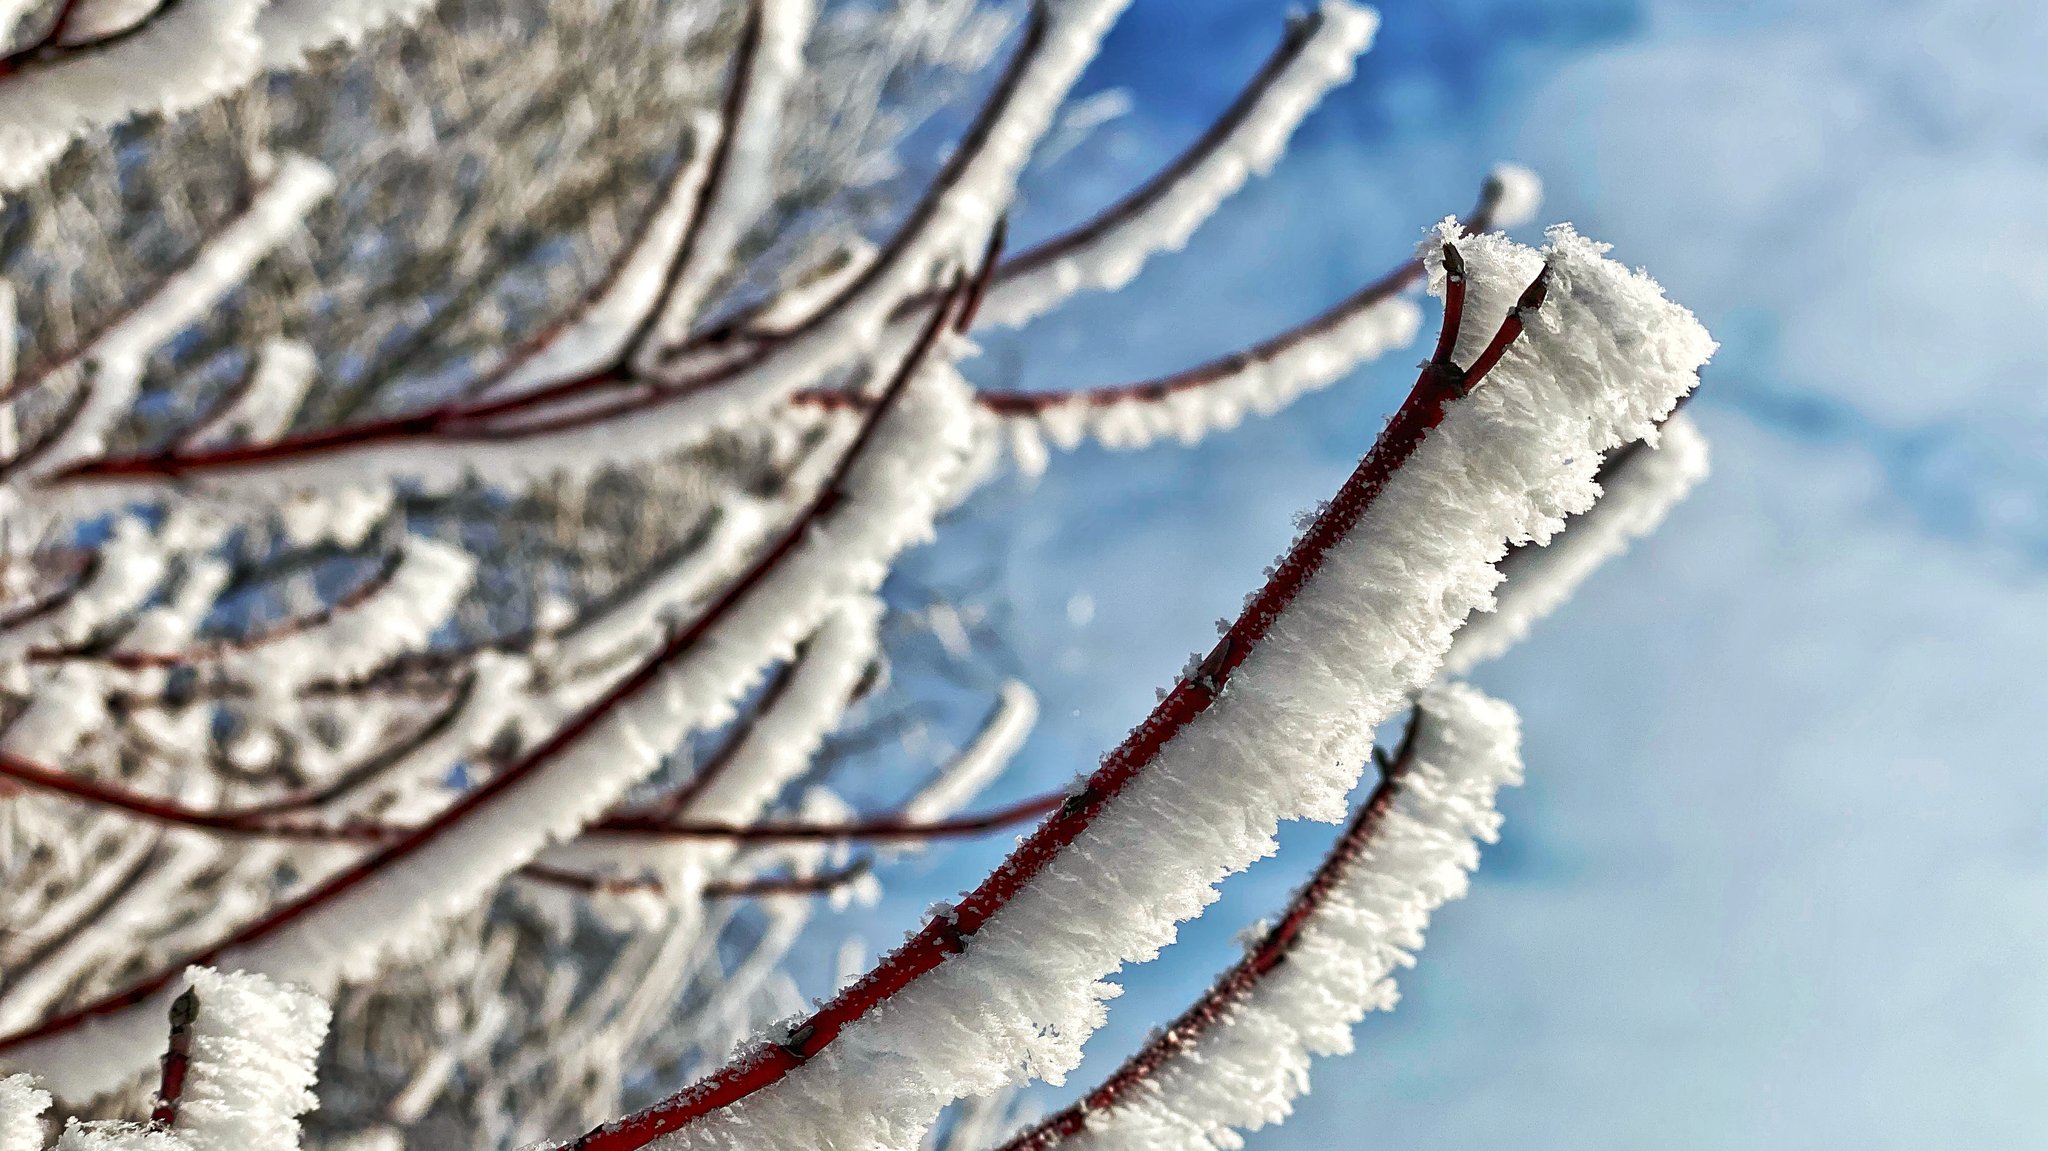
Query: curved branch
[1183, 705]
[1315, 54]
[611, 415]
[114, 359]
[1326, 959]
[1408, 551]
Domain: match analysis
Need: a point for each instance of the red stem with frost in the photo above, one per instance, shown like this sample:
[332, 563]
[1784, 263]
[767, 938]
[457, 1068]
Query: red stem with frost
[140, 660]
[177, 1060]
[944, 936]
[1234, 985]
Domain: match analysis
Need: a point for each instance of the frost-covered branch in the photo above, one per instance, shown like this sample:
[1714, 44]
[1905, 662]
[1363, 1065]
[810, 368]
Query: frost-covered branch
[1270, 725]
[454, 572]
[237, 1073]
[1236, 1058]
[1316, 54]
[880, 498]
[106, 371]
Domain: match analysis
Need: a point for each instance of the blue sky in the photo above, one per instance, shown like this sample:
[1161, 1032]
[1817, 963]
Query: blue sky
[1780, 874]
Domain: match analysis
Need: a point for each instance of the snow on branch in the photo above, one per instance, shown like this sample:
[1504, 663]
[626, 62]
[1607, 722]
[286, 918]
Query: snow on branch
[1262, 379]
[880, 499]
[610, 417]
[777, 745]
[1237, 1057]
[1640, 484]
[179, 55]
[599, 332]
[118, 577]
[1273, 724]
[263, 405]
[108, 369]
[962, 205]
[102, 62]
[740, 183]
[982, 760]
[1215, 396]
[1316, 55]
[396, 612]
[254, 1045]
[237, 1074]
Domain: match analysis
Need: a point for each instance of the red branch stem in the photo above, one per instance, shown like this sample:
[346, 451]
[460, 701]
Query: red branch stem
[141, 660]
[1237, 983]
[945, 936]
[177, 1059]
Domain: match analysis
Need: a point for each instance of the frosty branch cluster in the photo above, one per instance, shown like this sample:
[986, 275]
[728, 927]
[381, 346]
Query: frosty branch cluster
[456, 464]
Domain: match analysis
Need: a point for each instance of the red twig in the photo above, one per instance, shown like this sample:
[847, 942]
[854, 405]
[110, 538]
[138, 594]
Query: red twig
[1454, 306]
[140, 660]
[177, 1059]
[1237, 983]
[1510, 328]
[884, 828]
[822, 883]
[1015, 403]
[258, 820]
[990, 256]
[56, 600]
[945, 936]
[165, 811]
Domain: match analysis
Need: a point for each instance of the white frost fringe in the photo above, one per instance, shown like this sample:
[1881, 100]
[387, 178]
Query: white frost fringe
[112, 1135]
[1110, 260]
[22, 1104]
[1636, 499]
[291, 30]
[254, 1049]
[1605, 358]
[1247, 1069]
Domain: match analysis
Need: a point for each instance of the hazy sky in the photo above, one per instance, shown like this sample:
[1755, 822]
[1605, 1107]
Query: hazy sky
[1780, 874]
